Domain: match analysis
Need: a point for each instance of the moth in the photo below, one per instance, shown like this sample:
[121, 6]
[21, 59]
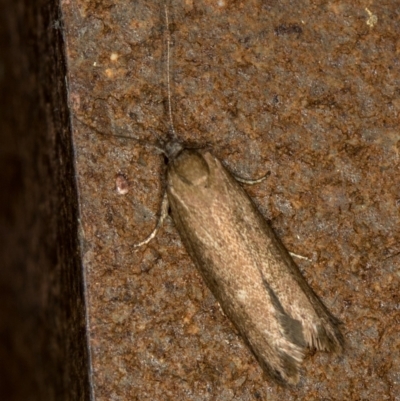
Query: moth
[249, 271]
[245, 265]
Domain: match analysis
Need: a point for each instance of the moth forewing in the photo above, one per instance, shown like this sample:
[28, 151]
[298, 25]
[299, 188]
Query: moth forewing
[246, 267]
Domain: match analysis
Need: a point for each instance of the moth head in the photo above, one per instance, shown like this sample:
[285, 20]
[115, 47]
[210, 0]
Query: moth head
[172, 149]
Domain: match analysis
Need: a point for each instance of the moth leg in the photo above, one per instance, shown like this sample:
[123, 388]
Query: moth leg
[163, 215]
[251, 182]
[295, 255]
[131, 138]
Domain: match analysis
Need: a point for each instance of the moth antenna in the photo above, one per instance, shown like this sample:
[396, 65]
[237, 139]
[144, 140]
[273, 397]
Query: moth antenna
[171, 149]
[251, 181]
[132, 138]
[171, 121]
[163, 215]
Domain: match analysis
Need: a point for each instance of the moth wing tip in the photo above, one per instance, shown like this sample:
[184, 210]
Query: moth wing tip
[325, 336]
[290, 363]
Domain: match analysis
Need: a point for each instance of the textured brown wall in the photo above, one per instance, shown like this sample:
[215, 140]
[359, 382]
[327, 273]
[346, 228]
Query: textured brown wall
[307, 90]
[43, 351]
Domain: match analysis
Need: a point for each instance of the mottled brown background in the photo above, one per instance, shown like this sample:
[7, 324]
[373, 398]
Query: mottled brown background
[307, 90]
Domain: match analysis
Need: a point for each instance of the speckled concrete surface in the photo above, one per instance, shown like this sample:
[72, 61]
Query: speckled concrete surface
[307, 90]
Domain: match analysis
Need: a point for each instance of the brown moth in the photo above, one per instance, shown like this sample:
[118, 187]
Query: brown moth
[249, 271]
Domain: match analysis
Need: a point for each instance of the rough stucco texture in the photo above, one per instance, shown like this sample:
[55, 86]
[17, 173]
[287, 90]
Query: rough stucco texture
[309, 91]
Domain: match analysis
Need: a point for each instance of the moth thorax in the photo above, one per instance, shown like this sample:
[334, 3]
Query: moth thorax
[191, 167]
